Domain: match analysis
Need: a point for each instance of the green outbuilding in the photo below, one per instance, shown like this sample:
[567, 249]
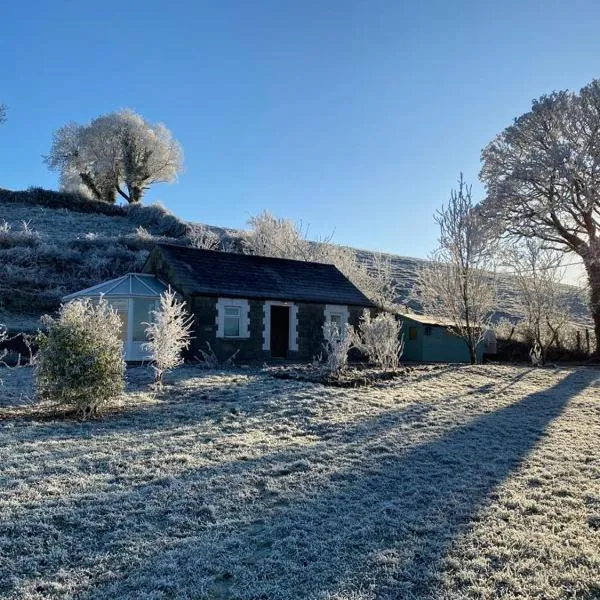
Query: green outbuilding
[431, 339]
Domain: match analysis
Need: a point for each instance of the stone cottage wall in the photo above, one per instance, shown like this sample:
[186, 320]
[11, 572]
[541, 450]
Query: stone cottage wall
[311, 318]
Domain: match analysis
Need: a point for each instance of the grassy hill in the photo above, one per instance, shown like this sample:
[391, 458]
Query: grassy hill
[48, 250]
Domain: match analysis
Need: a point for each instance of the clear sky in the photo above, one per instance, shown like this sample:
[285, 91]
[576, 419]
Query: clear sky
[349, 116]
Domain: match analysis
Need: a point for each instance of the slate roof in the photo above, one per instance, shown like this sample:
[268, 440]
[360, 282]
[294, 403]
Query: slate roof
[229, 275]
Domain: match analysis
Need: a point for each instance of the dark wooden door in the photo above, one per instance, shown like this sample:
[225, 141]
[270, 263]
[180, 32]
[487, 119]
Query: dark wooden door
[280, 331]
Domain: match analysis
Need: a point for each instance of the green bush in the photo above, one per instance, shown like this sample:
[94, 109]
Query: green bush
[80, 359]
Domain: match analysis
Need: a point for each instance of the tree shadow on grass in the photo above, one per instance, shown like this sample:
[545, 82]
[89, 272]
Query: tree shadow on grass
[361, 512]
[381, 526]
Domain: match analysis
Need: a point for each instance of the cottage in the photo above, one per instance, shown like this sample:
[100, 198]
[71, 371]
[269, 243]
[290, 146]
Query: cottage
[260, 306]
[431, 339]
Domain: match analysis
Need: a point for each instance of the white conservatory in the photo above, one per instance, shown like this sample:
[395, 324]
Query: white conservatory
[133, 296]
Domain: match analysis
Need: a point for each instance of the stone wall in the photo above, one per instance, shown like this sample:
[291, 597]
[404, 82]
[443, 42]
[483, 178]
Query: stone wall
[205, 330]
[310, 331]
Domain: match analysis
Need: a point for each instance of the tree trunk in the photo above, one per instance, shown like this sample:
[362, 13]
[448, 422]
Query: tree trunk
[472, 348]
[135, 194]
[593, 273]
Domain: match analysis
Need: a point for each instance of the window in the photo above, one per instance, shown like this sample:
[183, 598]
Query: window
[412, 333]
[337, 321]
[233, 318]
[428, 330]
[121, 306]
[337, 315]
[231, 321]
[142, 313]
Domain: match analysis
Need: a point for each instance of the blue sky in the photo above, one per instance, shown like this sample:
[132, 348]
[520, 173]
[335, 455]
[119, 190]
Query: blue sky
[353, 117]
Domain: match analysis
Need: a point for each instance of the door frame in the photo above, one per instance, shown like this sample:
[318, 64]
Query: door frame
[293, 333]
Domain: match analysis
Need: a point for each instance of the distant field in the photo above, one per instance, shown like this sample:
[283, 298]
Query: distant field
[458, 482]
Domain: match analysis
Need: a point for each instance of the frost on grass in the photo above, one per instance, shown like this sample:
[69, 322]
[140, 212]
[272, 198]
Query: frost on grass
[460, 482]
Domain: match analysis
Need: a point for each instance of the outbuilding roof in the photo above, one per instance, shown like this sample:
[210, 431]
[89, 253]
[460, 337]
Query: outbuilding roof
[142, 285]
[428, 319]
[226, 274]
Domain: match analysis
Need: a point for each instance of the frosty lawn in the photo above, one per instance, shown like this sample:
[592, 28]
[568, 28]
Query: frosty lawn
[476, 482]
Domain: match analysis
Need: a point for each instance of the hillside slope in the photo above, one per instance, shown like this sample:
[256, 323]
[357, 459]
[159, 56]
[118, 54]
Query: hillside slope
[47, 251]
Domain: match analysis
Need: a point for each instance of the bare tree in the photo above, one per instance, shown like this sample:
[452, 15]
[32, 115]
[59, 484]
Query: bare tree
[282, 238]
[457, 285]
[537, 272]
[2, 113]
[542, 176]
[118, 153]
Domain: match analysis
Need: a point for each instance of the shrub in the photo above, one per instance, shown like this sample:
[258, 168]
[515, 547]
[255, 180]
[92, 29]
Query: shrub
[380, 339]
[80, 359]
[168, 335]
[202, 237]
[157, 220]
[10, 238]
[336, 346]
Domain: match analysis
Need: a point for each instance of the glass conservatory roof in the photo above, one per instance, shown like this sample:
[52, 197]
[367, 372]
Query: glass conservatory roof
[127, 286]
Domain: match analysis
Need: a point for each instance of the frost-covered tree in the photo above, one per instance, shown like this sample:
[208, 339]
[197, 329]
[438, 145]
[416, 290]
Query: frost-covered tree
[282, 238]
[542, 176]
[537, 272]
[115, 154]
[336, 345]
[80, 358]
[168, 334]
[380, 339]
[200, 236]
[457, 285]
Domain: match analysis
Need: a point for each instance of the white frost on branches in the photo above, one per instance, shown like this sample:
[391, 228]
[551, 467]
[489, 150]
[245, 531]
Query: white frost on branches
[336, 345]
[202, 237]
[380, 339]
[537, 272]
[458, 284]
[282, 238]
[542, 176]
[118, 153]
[169, 334]
[80, 358]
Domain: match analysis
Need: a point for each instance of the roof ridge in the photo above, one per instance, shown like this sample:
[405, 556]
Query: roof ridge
[249, 256]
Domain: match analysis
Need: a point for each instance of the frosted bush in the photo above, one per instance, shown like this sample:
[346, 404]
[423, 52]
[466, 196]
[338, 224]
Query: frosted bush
[336, 345]
[380, 339]
[157, 220]
[203, 238]
[142, 233]
[168, 335]
[25, 236]
[80, 359]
